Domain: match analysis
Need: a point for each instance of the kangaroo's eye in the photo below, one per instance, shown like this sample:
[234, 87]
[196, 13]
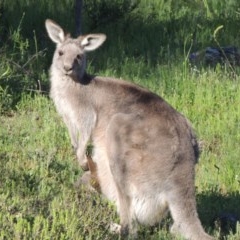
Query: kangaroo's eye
[78, 56]
[60, 52]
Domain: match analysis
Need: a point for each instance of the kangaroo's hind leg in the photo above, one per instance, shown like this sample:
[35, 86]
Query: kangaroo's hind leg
[118, 133]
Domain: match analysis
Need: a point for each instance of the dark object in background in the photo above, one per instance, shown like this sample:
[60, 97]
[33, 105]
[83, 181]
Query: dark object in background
[78, 16]
[211, 56]
[226, 223]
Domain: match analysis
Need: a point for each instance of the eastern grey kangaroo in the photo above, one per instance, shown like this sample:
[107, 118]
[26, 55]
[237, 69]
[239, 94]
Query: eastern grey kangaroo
[144, 150]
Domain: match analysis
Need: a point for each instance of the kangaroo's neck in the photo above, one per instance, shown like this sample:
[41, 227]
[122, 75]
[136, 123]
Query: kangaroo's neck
[85, 79]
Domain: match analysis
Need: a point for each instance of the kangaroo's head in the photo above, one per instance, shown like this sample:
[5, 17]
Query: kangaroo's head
[69, 57]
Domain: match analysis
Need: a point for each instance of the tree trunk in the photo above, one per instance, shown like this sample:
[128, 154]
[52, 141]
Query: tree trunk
[78, 16]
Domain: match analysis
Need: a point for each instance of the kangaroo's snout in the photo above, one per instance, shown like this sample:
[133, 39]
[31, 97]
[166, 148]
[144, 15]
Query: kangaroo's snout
[72, 64]
[68, 68]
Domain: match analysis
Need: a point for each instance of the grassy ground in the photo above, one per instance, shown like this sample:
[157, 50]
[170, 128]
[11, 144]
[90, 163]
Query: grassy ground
[38, 199]
[38, 168]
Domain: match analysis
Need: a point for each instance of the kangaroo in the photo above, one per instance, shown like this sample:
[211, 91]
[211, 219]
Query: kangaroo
[144, 150]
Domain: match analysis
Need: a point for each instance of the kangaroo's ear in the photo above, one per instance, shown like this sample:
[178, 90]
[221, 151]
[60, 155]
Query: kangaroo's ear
[91, 42]
[55, 32]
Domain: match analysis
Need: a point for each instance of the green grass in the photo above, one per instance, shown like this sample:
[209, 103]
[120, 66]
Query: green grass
[38, 172]
[38, 169]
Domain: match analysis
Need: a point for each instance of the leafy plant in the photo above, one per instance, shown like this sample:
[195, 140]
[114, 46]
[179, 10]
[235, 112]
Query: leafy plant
[18, 69]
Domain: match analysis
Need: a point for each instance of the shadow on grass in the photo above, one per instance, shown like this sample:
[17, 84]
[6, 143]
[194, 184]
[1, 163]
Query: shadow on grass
[219, 215]
[219, 212]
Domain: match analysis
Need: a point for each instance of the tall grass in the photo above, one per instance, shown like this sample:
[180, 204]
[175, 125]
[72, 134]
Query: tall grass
[149, 46]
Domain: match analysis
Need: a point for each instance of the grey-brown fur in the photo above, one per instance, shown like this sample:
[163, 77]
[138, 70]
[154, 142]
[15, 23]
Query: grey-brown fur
[144, 150]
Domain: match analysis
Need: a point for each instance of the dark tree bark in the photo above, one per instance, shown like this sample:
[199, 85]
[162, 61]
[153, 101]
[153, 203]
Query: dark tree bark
[78, 16]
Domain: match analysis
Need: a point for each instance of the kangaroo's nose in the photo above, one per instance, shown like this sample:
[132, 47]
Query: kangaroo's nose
[68, 67]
